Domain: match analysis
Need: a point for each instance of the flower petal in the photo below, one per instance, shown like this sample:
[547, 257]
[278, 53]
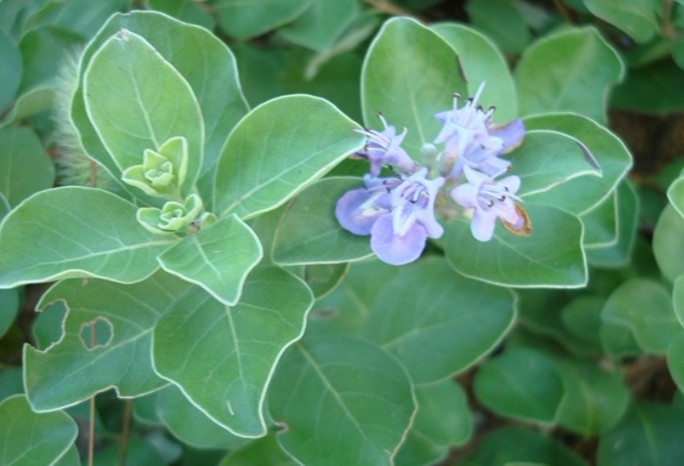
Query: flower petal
[482, 225]
[356, 210]
[510, 133]
[394, 249]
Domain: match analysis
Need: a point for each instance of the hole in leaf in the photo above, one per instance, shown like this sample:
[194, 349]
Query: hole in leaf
[97, 333]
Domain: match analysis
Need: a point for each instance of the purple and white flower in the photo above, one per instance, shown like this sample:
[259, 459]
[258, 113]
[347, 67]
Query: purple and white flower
[398, 213]
[491, 200]
[384, 147]
[470, 139]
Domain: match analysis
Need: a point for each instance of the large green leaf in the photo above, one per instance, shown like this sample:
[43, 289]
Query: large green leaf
[638, 18]
[645, 308]
[667, 243]
[243, 20]
[264, 451]
[308, 231]
[522, 383]
[321, 23]
[613, 157]
[217, 258]
[410, 73]
[551, 256]
[594, 399]
[10, 74]
[436, 322]
[341, 401]
[619, 253]
[24, 166]
[223, 357]
[571, 70]
[443, 421]
[189, 424]
[201, 58]
[650, 433]
[76, 232]
[482, 62]
[508, 446]
[105, 340]
[676, 195]
[278, 149]
[547, 159]
[136, 100]
[28, 438]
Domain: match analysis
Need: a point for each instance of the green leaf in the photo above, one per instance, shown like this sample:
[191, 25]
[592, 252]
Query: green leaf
[9, 307]
[130, 89]
[594, 399]
[43, 51]
[551, 256]
[323, 278]
[581, 194]
[185, 10]
[308, 231]
[645, 308]
[581, 317]
[431, 319]
[105, 340]
[341, 401]
[667, 243]
[190, 425]
[346, 308]
[636, 18]
[600, 224]
[24, 165]
[547, 159]
[76, 232]
[678, 298]
[243, 20]
[32, 438]
[650, 433]
[277, 150]
[205, 63]
[502, 21]
[443, 421]
[264, 451]
[521, 383]
[223, 357]
[410, 73]
[82, 17]
[627, 210]
[571, 70]
[676, 195]
[30, 103]
[482, 61]
[511, 445]
[675, 361]
[321, 23]
[10, 74]
[217, 258]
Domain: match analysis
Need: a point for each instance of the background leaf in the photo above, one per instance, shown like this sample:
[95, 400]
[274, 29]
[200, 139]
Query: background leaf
[636, 18]
[571, 70]
[244, 20]
[223, 357]
[129, 89]
[217, 258]
[31, 438]
[363, 402]
[429, 313]
[580, 194]
[667, 240]
[24, 165]
[277, 150]
[502, 21]
[82, 363]
[321, 23]
[482, 61]
[308, 231]
[551, 256]
[10, 75]
[410, 73]
[76, 232]
[9, 304]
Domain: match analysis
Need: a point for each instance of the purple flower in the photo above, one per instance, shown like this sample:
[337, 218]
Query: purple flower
[470, 139]
[384, 147]
[398, 213]
[491, 199]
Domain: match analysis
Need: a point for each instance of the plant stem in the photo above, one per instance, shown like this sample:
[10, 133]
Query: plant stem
[128, 404]
[563, 10]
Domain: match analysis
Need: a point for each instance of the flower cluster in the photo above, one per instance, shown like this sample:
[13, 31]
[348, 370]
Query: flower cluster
[399, 211]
